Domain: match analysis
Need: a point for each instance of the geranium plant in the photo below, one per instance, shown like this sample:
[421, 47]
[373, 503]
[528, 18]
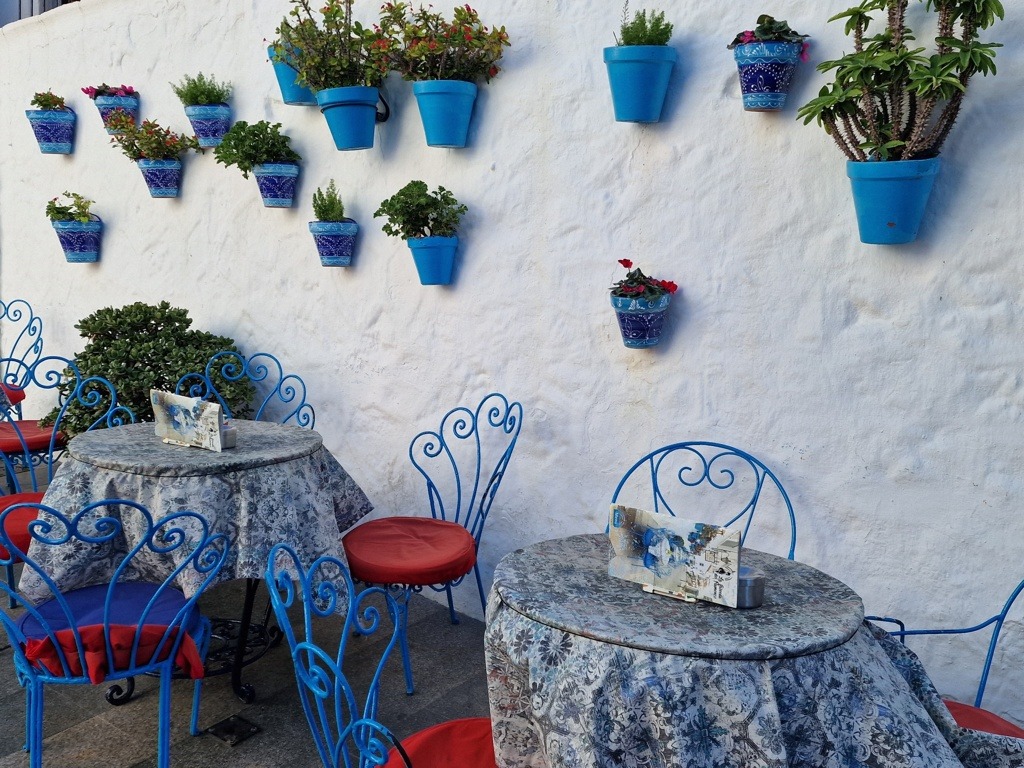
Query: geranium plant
[423, 45]
[637, 285]
[149, 141]
[48, 100]
[70, 206]
[414, 212]
[768, 30]
[248, 145]
[108, 90]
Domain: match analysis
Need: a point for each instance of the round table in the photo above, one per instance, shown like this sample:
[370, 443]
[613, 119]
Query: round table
[588, 670]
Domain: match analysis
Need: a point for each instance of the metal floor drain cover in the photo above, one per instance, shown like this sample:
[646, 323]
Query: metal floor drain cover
[234, 730]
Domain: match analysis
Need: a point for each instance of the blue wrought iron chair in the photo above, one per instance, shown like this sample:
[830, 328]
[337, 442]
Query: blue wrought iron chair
[463, 471]
[280, 397]
[22, 333]
[30, 452]
[347, 733]
[115, 630]
[694, 479]
[970, 716]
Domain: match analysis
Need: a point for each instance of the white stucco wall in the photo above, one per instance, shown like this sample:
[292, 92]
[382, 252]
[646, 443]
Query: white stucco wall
[883, 384]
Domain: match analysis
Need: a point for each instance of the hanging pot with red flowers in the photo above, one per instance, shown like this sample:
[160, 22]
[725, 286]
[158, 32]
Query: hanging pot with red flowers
[641, 306]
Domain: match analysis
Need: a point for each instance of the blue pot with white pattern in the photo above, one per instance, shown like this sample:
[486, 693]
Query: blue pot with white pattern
[107, 104]
[80, 239]
[54, 129]
[335, 241]
[163, 177]
[766, 70]
[209, 122]
[277, 183]
[641, 322]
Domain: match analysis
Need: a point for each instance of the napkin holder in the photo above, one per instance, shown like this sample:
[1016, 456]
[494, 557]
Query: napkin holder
[191, 421]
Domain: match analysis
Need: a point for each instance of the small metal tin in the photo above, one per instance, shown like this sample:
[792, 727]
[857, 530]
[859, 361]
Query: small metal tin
[751, 588]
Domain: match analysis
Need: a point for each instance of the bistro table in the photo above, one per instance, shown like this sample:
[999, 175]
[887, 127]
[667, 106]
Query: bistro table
[278, 484]
[586, 670]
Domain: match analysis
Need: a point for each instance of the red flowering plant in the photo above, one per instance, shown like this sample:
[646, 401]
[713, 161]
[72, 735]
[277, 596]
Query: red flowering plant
[637, 285]
[108, 90]
[149, 141]
[423, 45]
[768, 30]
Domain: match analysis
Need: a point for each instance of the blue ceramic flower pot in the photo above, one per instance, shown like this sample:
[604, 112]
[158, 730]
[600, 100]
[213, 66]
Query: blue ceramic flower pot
[54, 129]
[277, 183]
[163, 177]
[446, 107]
[107, 104]
[351, 113]
[638, 76]
[640, 321]
[766, 70]
[335, 241]
[434, 257]
[79, 239]
[291, 92]
[209, 122]
[890, 197]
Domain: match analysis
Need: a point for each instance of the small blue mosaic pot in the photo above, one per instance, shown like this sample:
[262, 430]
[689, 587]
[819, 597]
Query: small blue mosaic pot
[79, 239]
[766, 70]
[163, 177]
[277, 183]
[209, 122]
[335, 241]
[54, 130]
[107, 104]
[640, 321]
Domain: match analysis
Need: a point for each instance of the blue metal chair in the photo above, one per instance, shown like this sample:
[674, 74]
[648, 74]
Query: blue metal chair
[966, 715]
[280, 397]
[347, 733]
[696, 479]
[115, 630]
[463, 463]
[22, 334]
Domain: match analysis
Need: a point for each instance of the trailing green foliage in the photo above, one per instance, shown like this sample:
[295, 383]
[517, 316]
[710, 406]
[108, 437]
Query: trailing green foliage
[247, 145]
[327, 204]
[201, 90]
[643, 30]
[415, 212]
[73, 207]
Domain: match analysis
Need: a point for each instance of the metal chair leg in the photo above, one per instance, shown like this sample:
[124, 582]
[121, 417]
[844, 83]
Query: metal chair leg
[403, 637]
[480, 587]
[10, 582]
[451, 604]
[163, 732]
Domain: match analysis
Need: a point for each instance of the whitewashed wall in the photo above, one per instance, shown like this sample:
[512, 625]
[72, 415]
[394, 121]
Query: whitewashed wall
[883, 384]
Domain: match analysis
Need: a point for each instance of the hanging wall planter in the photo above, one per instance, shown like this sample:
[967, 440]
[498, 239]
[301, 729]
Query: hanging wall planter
[163, 177]
[639, 76]
[264, 150]
[766, 57]
[291, 92]
[890, 197]
[446, 108]
[53, 124]
[277, 183]
[78, 229]
[351, 114]
[209, 122]
[111, 98]
[434, 258]
[333, 232]
[641, 304]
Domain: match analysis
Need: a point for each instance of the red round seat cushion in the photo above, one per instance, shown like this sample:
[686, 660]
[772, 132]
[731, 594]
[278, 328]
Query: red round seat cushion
[409, 550]
[16, 523]
[33, 437]
[978, 719]
[465, 743]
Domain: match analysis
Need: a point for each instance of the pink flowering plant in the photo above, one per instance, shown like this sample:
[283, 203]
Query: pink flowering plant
[637, 285]
[108, 90]
[768, 30]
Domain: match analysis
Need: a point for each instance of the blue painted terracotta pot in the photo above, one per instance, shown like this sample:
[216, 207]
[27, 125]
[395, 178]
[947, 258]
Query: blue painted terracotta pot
[163, 177]
[335, 241]
[766, 70]
[209, 122]
[107, 104]
[640, 321]
[79, 239]
[434, 257]
[351, 114]
[277, 183]
[446, 108]
[638, 76]
[890, 197]
[291, 92]
[54, 129]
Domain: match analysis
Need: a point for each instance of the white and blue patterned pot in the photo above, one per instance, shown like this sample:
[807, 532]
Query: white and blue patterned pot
[209, 122]
[335, 241]
[54, 130]
[766, 70]
[163, 177]
[79, 239]
[277, 183]
[107, 104]
[640, 321]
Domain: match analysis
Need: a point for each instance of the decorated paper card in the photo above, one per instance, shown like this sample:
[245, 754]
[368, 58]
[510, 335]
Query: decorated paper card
[680, 558]
[187, 420]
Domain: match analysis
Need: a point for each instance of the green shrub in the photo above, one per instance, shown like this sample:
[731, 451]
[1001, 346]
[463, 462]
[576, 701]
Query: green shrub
[414, 212]
[644, 30]
[201, 90]
[327, 204]
[247, 145]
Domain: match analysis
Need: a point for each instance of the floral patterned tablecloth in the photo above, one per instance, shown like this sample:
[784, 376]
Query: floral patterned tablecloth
[278, 484]
[587, 671]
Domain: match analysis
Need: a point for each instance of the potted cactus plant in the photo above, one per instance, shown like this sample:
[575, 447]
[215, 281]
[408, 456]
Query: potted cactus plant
[111, 97]
[890, 107]
[206, 106]
[640, 304]
[639, 66]
[155, 149]
[766, 57]
[78, 229]
[429, 223]
[264, 150]
[53, 123]
[333, 233]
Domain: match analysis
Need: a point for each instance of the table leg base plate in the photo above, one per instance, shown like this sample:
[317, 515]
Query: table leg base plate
[234, 730]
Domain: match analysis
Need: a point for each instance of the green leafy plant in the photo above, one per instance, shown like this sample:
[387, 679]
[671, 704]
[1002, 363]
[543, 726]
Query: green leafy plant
[200, 90]
[327, 204]
[423, 45]
[414, 212]
[335, 51]
[637, 285]
[247, 145]
[71, 206]
[643, 29]
[140, 347]
[149, 141]
[48, 100]
[889, 101]
[768, 30]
